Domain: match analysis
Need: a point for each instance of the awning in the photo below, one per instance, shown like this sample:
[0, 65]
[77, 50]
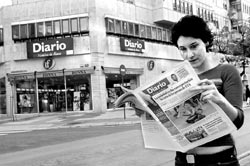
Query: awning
[50, 73]
[113, 70]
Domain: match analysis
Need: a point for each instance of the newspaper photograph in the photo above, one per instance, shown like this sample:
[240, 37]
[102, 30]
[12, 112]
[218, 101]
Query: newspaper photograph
[176, 118]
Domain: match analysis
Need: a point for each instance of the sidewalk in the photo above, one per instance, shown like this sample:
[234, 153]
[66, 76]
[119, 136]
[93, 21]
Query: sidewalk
[82, 118]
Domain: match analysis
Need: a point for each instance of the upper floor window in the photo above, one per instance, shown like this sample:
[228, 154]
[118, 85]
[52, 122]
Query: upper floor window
[40, 29]
[117, 26]
[15, 32]
[23, 31]
[84, 24]
[74, 25]
[32, 30]
[1, 36]
[57, 27]
[129, 28]
[50, 28]
[124, 27]
[65, 26]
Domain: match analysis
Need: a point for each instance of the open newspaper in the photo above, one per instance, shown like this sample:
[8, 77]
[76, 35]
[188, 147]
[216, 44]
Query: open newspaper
[176, 119]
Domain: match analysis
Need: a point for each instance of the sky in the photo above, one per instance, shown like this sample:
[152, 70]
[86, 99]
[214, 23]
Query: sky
[5, 2]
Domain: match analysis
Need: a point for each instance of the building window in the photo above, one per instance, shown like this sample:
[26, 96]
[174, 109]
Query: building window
[164, 35]
[40, 29]
[154, 33]
[48, 28]
[74, 25]
[1, 36]
[57, 27]
[32, 30]
[159, 34]
[23, 31]
[175, 5]
[15, 32]
[136, 29]
[84, 24]
[65, 26]
[3, 95]
[142, 31]
[130, 28]
[117, 26]
[110, 25]
[124, 27]
[148, 29]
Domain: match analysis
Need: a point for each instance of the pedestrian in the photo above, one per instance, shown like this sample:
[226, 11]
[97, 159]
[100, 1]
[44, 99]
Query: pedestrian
[193, 38]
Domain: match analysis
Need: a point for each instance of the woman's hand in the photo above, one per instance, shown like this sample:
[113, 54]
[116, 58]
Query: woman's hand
[208, 91]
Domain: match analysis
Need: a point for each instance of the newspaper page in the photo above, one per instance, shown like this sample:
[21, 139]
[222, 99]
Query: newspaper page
[176, 118]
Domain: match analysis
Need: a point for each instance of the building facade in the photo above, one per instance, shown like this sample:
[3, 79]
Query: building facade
[59, 56]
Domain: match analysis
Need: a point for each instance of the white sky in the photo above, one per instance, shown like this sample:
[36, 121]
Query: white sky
[5, 2]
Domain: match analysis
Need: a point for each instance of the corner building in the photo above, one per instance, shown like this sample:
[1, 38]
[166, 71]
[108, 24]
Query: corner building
[60, 56]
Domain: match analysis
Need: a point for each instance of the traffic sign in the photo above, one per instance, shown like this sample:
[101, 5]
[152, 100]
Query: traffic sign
[123, 70]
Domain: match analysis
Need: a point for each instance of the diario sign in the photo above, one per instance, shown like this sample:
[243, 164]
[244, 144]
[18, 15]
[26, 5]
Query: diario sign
[45, 48]
[134, 45]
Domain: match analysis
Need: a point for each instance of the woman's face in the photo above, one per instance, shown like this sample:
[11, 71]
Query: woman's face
[193, 50]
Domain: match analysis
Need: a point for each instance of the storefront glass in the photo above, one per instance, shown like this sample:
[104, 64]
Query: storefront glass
[26, 98]
[113, 82]
[78, 92]
[2, 96]
[51, 94]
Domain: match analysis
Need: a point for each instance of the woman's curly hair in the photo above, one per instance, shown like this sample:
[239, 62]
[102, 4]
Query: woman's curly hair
[192, 26]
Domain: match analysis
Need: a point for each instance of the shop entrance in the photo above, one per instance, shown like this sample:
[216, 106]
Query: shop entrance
[53, 96]
[113, 82]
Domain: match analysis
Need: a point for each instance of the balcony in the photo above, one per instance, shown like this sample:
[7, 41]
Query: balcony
[166, 16]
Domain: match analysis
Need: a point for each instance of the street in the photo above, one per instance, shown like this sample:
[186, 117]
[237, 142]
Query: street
[93, 146]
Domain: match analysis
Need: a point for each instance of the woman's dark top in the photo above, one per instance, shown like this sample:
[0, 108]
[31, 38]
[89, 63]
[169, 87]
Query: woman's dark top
[228, 82]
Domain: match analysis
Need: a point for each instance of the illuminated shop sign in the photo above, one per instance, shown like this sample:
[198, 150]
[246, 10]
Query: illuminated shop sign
[45, 48]
[133, 45]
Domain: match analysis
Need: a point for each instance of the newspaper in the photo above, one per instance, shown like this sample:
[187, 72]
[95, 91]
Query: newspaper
[176, 119]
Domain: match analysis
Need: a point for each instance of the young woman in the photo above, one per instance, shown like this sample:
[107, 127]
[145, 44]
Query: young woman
[193, 38]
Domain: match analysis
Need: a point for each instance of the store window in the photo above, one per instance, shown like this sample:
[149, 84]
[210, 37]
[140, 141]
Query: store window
[78, 93]
[48, 28]
[117, 26]
[1, 36]
[54, 97]
[2, 96]
[26, 98]
[113, 89]
[57, 27]
[74, 25]
[40, 29]
[84, 24]
[51, 94]
[32, 30]
[65, 26]
[23, 31]
[15, 32]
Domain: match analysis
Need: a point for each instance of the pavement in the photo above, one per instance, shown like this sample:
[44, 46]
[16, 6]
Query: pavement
[77, 119]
